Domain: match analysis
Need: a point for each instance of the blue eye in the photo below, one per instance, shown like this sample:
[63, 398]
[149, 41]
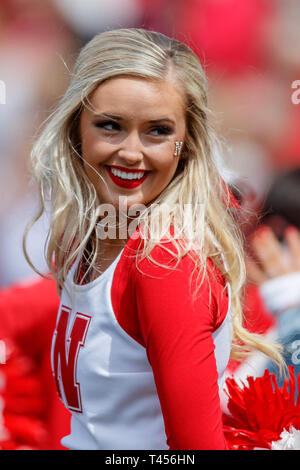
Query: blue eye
[108, 125]
[111, 126]
[162, 130]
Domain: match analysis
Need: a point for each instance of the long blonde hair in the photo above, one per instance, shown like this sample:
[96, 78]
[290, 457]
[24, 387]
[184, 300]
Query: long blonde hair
[58, 169]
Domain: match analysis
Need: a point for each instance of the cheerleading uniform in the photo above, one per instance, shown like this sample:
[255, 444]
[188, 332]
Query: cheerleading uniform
[139, 364]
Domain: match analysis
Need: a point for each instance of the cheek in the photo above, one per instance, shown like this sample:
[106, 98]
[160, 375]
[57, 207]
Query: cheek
[165, 164]
[162, 156]
[94, 150]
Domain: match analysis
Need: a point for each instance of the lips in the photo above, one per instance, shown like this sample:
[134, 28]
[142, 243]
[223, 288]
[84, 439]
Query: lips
[128, 184]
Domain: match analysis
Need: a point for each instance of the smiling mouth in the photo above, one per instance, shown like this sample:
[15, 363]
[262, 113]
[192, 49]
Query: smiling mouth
[127, 179]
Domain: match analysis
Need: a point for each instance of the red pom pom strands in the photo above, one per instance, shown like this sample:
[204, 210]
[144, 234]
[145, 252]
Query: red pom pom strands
[261, 412]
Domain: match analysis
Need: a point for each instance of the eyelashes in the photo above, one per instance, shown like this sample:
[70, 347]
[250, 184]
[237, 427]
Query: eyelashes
[163, 130]
[112, 126]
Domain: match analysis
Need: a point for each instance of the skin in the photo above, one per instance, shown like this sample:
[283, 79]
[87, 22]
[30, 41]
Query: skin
[132, 142]
[272, 259]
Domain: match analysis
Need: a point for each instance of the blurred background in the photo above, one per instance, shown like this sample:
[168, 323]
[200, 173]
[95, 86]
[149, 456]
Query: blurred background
[250, 50]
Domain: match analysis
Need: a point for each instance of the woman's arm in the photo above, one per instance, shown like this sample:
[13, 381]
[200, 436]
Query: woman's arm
[177, 334]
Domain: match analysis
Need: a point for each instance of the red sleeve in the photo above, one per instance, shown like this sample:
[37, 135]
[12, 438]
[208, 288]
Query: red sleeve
[177, 335]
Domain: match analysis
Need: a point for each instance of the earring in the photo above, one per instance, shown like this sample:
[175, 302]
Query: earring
[178, 148]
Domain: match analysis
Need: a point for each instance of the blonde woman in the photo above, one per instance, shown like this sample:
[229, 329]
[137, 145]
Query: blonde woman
[144, 248]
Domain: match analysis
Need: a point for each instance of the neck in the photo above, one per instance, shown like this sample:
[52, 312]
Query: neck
[115, 233]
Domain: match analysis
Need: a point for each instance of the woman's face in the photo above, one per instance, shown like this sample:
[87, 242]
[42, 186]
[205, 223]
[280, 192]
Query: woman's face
[128, 136]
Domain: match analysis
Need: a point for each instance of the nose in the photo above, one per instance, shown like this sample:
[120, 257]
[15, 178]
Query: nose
[131, 149]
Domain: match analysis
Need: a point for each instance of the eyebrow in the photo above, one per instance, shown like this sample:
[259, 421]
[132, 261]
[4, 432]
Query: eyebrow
[119, 118]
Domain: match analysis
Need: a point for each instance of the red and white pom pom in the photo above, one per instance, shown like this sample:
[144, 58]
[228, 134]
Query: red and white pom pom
[289, 440]
[263, 416]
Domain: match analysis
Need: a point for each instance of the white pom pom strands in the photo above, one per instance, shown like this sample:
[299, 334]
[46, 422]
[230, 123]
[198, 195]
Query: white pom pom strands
[290, 440]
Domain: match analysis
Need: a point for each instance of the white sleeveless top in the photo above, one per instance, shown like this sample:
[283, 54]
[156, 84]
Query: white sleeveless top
[103, 373]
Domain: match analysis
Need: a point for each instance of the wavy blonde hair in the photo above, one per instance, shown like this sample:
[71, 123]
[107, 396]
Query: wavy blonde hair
[58, 169]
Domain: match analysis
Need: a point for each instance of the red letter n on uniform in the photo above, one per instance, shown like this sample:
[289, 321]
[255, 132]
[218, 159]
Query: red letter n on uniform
[65, 355]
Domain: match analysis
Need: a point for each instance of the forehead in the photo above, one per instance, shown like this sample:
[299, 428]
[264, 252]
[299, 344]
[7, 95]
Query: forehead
[131, 96]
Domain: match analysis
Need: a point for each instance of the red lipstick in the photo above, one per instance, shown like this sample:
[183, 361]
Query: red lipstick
[128, 184]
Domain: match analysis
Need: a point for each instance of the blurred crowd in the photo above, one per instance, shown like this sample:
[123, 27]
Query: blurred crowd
[250, 52]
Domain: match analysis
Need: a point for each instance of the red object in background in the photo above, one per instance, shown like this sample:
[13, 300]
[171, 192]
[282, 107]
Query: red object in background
[257, 319]
[287, 155]
[151, 4]
[226, 35]
[33, 414]
[31, 18]
[24, 407]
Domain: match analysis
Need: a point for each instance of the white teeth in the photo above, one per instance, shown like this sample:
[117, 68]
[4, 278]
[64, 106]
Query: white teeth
[126, 176]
